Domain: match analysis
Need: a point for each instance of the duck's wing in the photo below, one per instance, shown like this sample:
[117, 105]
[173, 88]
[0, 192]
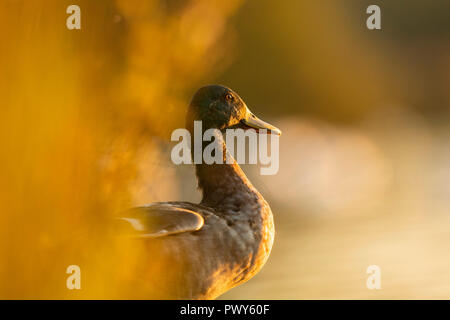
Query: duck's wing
[158, 220]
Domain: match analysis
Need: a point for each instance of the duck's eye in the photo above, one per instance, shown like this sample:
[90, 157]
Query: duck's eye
[229, 97]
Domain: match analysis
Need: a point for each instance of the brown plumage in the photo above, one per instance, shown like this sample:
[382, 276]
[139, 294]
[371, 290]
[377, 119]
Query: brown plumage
[203, 250]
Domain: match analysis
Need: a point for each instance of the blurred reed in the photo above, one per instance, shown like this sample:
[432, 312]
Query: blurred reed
[78, 109]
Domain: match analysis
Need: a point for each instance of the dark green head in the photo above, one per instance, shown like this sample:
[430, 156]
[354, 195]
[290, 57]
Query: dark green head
[220, 108]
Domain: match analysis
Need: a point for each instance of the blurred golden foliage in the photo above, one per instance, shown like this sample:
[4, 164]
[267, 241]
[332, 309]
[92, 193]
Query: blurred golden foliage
[78, 106]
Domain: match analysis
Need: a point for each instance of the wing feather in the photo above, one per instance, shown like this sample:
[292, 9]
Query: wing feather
[158, 220]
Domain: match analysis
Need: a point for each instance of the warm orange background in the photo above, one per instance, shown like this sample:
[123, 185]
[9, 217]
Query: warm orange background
[364, 178]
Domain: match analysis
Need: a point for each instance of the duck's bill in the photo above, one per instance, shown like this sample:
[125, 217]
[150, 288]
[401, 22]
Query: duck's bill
[255, 123]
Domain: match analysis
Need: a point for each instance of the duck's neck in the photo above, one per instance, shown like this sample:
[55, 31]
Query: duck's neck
[223, 183]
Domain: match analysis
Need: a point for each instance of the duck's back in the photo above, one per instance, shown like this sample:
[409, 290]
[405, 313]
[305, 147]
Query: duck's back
[188, 258]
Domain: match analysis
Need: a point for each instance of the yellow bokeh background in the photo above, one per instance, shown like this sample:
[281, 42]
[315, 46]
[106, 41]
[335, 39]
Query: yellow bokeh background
[86, 117]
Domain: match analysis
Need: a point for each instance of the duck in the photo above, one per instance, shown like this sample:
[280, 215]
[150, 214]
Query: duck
[200, 251]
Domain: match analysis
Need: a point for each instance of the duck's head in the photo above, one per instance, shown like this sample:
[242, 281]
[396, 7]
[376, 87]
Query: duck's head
[219, 107]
